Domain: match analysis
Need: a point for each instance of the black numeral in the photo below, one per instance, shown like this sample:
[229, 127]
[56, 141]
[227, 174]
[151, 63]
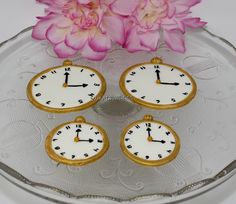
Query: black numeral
[67, 69]
[137, 126]
[92, 75]
[43, 77]
[130, 132]
[129, 146]
[181, 75]
[86, 155]
[156, 66]
[96, 84]
[68, 127]
[53, 72]
[148, 124]
[132, 73]
[59, 132]
[128, 81]
[38, 94]
[134, 91]
[142, 68]
[80, 101]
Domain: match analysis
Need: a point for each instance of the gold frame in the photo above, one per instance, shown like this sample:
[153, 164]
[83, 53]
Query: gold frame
[152, 105]
[153, 163]
[59, 159]
[66, 110]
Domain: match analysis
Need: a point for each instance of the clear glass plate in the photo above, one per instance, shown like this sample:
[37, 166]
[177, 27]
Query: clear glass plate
[206, 126]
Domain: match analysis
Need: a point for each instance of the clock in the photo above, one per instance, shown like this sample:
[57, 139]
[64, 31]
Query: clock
[76, 143]
[66, 88]
[157, 85]
[149, 142]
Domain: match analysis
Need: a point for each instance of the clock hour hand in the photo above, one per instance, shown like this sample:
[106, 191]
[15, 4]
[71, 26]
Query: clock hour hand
[174, 84]
[89, 140]
[79, 85]
[161, 141]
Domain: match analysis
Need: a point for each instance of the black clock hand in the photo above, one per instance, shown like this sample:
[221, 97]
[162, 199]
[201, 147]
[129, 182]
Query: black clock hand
[89, 140]
[174, 84]
[158, 76]
[80, 85]
[76, 139]
[149, 134]
[161, 141]
[66, 78]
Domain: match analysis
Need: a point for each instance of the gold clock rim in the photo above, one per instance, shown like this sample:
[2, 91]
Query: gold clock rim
[91, 103]
[79, 162]
[151, 163]
[138, 101]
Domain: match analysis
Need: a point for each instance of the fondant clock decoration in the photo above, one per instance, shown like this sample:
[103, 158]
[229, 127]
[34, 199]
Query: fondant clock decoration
[149, 142]
[76, 143]
[158, 85]
[66, 88]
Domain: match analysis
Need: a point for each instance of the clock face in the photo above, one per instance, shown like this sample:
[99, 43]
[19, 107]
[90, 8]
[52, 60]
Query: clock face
[150, 143]
[158, 86]
[77, 143]
[66, 88]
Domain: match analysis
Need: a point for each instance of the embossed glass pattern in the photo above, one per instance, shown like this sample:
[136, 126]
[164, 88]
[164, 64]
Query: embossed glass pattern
[206, 126]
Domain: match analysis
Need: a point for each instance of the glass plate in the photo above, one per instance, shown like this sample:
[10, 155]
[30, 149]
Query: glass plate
[206, 126]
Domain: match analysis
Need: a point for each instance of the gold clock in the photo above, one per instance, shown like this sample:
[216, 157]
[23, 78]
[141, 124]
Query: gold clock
[66, 88]
[157, 85]
[77, 143]
[150, 142]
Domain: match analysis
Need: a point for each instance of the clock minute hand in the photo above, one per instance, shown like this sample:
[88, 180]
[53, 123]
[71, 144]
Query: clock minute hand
[79, 85]
[174, 84]
[158, 76]
[161, 141]
[67, 77]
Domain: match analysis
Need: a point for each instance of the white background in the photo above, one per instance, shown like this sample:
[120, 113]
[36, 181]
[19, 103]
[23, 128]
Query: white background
[220, 15]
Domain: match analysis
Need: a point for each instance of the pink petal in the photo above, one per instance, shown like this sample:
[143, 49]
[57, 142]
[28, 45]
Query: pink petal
[40, 29]
[56, 34]
[99, 42]
[90, 54]
[175, 40]
[124, 7]
[194, 22]
[63, 51]
[77, 40]
[150, 40]
[114, 23]
[133, 43]
[84, 1]
[189, 3]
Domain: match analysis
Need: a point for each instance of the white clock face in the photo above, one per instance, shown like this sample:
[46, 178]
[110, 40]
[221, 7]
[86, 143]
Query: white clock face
[73, 142]
[150, 143]
[158, 85]
[66, 88]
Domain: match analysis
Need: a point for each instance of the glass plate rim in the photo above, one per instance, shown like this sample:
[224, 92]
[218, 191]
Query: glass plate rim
[184, 193]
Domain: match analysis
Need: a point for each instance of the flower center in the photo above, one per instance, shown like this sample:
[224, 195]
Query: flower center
[151, 11]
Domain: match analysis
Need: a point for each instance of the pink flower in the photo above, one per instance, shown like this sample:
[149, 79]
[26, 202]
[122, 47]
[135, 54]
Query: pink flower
[90, 26]
[147, 20]
[87, 26]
